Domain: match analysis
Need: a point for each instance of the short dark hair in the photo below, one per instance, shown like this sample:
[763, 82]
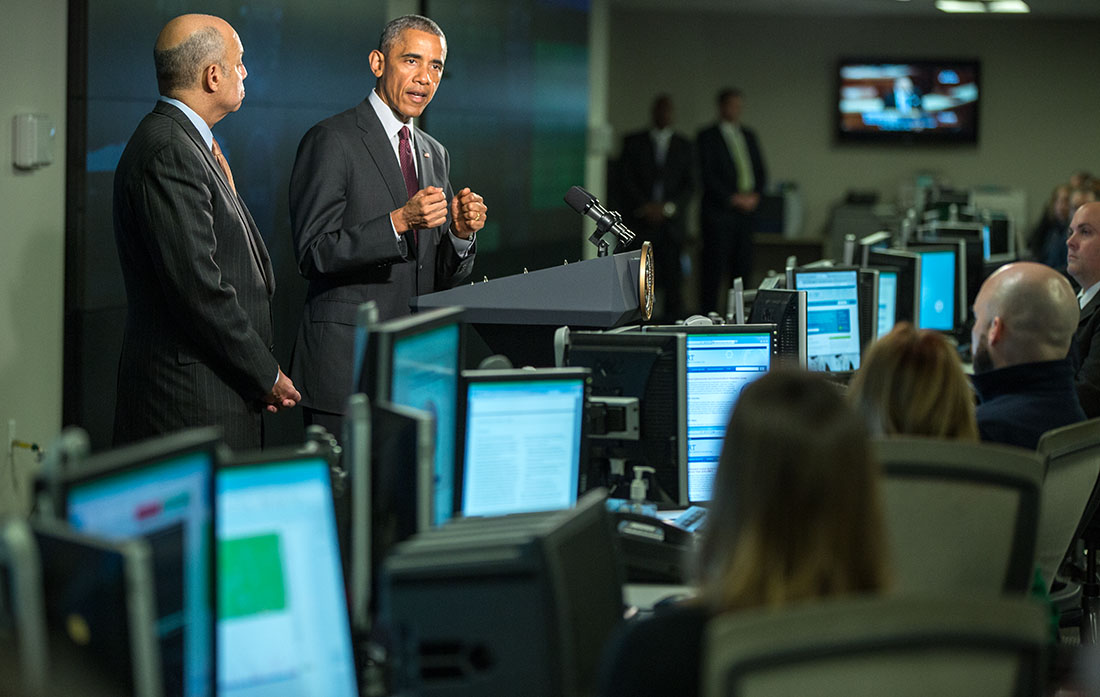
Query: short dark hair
[179, 67]
[394, 28]
[728, 93]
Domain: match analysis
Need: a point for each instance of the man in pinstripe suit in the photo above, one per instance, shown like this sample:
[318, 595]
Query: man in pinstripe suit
[198, 342]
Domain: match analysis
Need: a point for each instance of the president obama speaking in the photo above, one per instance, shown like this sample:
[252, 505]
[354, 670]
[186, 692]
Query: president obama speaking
[373, 214]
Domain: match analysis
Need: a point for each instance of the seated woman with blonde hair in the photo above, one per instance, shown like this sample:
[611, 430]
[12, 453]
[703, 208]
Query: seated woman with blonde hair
[795, 516]
[912, 383]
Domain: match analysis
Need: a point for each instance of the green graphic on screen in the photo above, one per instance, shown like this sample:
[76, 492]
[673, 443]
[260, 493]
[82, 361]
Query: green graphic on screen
[250, 576]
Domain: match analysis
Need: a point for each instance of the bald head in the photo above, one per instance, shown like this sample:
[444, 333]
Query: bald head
[1024, 313]
[200, 62]
[185, 47]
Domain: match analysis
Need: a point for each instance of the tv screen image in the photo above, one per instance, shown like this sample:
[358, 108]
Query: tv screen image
[907, 101]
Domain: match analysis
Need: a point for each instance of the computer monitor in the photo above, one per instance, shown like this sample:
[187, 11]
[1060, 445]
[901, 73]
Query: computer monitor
[415, 361]
[868, 307]
[23, 643]
[974, 238]
[100, 611]
[282, 609]
[887, 299]
[907, 264]
[510, 605]
[650, 370]
[999, 241]
[389, 449]
[939, 296]
[522, 439]
[876, 240]
[721, 360]
[786, 309]
[366, 316]
[832, 316]
[160, 489]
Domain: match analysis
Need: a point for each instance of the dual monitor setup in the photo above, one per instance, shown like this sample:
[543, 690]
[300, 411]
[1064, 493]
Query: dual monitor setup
[175, 568]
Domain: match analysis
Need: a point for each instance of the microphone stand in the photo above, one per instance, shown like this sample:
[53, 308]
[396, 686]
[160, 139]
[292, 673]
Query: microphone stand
[606, 225]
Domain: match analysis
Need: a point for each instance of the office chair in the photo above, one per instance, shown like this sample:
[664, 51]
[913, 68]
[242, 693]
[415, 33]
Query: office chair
[1073, 465]
[885, 645]
[960, 516]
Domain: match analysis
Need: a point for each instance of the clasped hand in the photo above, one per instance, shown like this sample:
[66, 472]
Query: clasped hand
[428, 209]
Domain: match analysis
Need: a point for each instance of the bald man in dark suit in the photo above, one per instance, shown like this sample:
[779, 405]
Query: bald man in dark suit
[374, 215]
[197, 349]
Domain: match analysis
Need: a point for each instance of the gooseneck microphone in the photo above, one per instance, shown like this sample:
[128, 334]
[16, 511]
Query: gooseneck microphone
[606, 221]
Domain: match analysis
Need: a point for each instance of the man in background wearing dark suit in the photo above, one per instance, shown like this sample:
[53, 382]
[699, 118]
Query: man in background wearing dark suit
[373, 214]
[197, 348]
[733, 177]
[655, 188]
[1083, 265]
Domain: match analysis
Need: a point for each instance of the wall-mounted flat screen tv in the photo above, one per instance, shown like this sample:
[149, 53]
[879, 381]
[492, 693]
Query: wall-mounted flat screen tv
[907, 101]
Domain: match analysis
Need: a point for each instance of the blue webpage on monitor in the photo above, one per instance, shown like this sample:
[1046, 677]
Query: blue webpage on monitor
[718, 368]
[523, 443]
[832, 319]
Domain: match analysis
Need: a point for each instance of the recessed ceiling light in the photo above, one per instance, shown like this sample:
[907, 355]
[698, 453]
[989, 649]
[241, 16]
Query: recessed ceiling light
[1015, 6]
[960, 6]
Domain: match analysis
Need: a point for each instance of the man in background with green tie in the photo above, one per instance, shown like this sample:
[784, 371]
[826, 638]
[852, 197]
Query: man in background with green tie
[733, 178]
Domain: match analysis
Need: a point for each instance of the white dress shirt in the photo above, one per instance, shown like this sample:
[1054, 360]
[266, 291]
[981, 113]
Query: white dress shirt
[392, 127]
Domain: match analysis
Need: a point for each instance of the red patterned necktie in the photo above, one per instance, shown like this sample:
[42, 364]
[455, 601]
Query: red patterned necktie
[408, 169]
[223, 163]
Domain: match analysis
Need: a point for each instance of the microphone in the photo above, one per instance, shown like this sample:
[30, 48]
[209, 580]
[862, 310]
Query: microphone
[606, 221]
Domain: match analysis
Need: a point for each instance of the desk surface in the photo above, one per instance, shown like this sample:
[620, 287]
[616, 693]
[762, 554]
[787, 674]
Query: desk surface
[645, 595]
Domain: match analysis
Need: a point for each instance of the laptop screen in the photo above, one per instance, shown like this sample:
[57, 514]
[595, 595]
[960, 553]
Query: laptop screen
[718, 368]
[523, 437]
[282, 612]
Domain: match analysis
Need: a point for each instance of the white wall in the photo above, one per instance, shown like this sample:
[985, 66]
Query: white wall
[32, 239]
[1040, 97]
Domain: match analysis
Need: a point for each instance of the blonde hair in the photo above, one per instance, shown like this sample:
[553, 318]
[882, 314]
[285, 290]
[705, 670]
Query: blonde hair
[795, 511]
[912, 383]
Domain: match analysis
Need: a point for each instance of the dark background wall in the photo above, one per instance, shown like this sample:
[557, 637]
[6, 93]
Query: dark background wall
[512, 110]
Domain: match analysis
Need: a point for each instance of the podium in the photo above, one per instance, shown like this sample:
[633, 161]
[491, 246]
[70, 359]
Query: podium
[516, 315]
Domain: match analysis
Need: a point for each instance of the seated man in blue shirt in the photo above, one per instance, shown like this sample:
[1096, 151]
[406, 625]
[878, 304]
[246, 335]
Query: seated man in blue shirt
[1024, 318]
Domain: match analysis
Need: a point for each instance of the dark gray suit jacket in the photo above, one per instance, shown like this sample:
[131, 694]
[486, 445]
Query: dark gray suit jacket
[198, 339]
[346, 181]
[1086, 358]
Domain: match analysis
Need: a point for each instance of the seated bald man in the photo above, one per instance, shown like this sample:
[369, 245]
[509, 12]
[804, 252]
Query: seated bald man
[1024, 318]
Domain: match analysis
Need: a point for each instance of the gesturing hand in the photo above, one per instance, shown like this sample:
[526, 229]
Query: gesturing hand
[468, 213]
[426, 209]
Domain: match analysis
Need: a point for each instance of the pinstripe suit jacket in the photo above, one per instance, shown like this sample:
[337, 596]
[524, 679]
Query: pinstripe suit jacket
[344, 185]
[198, 338]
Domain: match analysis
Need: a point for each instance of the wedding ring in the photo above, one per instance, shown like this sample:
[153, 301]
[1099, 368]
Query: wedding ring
[477, 217]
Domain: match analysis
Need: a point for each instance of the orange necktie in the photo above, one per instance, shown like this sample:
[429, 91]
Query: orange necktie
[223, 163]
